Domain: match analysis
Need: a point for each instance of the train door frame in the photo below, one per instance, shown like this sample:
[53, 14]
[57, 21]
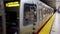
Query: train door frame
[3, 18]
[22, 11]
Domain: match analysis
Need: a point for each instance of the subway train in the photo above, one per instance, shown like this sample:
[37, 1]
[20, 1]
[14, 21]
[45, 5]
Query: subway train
[26, 16]
[33, 15]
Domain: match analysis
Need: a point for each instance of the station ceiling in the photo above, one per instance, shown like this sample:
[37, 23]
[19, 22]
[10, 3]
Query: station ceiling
[57, 4]
[51, 3]
[10, 0]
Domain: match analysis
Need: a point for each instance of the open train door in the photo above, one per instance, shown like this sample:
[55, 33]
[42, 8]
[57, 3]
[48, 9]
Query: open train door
[12, 16]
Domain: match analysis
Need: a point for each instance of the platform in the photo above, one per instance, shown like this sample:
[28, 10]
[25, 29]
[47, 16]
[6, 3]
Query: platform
[56, 24]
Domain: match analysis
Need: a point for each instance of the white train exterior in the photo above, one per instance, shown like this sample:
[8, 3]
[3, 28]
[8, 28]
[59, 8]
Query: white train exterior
[32, 14]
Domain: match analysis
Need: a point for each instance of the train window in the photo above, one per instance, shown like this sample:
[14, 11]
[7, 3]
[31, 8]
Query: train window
[40, 14]
[49, 11]
[30, 14]
[44, 12]
[52, 11]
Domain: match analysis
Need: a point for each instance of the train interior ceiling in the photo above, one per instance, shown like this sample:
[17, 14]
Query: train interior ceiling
[28, 16]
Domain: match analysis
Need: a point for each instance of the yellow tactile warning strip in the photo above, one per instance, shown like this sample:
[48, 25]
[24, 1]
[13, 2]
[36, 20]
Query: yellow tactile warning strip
[46, 29]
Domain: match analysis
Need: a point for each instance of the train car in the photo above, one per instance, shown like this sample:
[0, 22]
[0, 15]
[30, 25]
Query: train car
[26, 16]
[44, 13]
[33, 15]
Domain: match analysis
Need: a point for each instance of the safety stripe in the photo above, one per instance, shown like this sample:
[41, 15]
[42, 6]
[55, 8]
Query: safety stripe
[47, 27]
[43, 25]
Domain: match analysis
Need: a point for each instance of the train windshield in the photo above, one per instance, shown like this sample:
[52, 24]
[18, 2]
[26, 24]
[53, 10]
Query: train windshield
[30, 14]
